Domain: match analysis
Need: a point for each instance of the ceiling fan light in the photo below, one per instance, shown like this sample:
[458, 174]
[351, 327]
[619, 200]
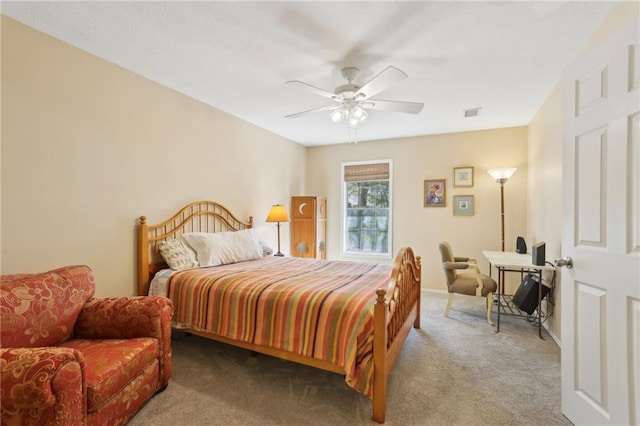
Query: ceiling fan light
[356, 112]
[356, 116]
[337, 115]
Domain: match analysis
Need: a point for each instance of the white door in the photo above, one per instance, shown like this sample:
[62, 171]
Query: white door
[601, 232]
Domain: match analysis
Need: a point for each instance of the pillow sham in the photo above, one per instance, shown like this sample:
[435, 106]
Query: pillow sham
[223, 248]
[176, 255]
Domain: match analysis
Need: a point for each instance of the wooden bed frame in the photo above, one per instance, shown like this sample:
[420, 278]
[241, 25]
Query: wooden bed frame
[396, 309]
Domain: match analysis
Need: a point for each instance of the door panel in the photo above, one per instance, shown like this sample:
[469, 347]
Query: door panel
[634, 182]
[591, 196]
[590, 358]
[634, 361]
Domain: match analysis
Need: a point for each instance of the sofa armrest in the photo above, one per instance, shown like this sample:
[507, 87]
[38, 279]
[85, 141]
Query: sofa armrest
[129, 317]
[42, 386]
[124, 317]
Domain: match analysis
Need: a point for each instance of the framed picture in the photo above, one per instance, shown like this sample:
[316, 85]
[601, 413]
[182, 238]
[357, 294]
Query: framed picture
[435, 193]
[463, 205]
[463, 177]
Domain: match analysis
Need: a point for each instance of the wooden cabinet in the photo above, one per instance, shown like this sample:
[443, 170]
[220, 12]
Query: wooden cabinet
[308, 227]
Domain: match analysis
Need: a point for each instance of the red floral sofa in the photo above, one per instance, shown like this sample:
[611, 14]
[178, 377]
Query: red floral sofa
[67, 358]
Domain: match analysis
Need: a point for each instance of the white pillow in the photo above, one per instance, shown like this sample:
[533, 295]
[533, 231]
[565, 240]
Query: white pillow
[177, 255]
[190, 249]
[223, 248]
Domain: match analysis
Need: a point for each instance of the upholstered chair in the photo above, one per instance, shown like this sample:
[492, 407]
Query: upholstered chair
[67, 358]
[464, 277]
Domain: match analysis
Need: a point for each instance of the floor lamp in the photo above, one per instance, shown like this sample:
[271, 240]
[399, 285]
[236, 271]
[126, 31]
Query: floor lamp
[278, 213]
[501, 176]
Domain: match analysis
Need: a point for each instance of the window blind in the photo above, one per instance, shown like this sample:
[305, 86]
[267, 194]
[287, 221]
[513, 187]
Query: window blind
[366, 172]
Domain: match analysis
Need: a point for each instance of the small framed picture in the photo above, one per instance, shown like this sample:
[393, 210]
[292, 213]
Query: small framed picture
[463, 205]
[435, 193]
[463, 177]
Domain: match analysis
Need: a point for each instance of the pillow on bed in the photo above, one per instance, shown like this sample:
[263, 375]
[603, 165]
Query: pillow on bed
[190, 249]
[223, 248]
[177, 255]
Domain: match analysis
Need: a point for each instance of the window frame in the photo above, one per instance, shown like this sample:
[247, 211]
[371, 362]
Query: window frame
[343, 208]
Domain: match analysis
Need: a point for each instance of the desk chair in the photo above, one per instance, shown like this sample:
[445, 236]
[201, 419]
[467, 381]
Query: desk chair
[464, 277]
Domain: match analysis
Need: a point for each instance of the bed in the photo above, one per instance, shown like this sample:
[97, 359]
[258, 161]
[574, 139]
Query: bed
[361, 313]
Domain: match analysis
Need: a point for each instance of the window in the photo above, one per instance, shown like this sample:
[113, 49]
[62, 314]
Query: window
[366, 197]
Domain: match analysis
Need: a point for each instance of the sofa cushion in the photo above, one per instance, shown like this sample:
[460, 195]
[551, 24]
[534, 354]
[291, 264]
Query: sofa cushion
[41, 309]
[111, 364]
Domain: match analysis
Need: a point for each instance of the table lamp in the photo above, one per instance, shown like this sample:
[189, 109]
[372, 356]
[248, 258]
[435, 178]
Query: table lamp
[278, 213]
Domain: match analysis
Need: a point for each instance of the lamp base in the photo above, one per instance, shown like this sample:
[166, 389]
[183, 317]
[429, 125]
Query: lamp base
[279, 254]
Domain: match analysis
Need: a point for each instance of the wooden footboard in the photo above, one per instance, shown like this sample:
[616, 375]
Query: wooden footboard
[396, 310]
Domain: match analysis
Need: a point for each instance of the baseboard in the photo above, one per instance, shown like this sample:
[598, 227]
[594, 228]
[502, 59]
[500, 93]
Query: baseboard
[433, 290]
[553, 336]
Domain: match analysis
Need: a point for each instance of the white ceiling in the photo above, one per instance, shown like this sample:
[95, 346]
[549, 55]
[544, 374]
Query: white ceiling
[504, 57]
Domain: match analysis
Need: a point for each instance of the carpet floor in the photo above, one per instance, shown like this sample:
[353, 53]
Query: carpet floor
[452, 371]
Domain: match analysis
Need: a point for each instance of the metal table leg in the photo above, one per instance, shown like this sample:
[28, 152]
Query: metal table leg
[540, 304]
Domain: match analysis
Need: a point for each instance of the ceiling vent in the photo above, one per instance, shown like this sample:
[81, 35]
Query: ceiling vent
[472, 112]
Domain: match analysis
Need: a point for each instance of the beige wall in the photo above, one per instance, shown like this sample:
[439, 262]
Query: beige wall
[425, 157]
[87, 147]
[624, 11]
[545, 186]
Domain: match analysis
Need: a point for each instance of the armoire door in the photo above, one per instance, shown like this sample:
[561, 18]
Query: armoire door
[308, 226]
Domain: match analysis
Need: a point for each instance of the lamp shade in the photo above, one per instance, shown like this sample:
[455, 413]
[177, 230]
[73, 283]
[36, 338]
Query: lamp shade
[502, 173]
[278, 213]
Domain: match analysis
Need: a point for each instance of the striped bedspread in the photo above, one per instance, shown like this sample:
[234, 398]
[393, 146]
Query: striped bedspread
[316, 308]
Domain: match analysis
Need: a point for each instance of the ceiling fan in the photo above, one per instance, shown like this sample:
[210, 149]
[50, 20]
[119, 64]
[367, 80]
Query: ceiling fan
[352, 101]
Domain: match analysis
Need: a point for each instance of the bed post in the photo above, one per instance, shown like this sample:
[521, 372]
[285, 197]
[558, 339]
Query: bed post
[380, 356]
[143, 257]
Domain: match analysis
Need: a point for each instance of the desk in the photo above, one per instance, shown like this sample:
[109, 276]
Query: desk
[505, 261]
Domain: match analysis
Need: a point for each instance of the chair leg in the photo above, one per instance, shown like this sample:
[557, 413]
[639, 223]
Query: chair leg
[489, 305]
[449, 300]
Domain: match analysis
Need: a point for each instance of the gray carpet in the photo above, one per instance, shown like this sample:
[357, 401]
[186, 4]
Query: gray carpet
[453, 371]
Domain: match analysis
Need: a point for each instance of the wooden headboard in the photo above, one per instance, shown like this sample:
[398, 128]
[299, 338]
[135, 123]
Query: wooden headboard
[199, 216]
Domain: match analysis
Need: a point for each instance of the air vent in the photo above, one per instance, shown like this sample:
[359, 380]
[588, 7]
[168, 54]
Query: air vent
[472, 112]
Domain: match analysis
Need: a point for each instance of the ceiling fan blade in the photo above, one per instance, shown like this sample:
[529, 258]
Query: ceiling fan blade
[398, 106]
[380, 82]
[324, 108]
[314, 89]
